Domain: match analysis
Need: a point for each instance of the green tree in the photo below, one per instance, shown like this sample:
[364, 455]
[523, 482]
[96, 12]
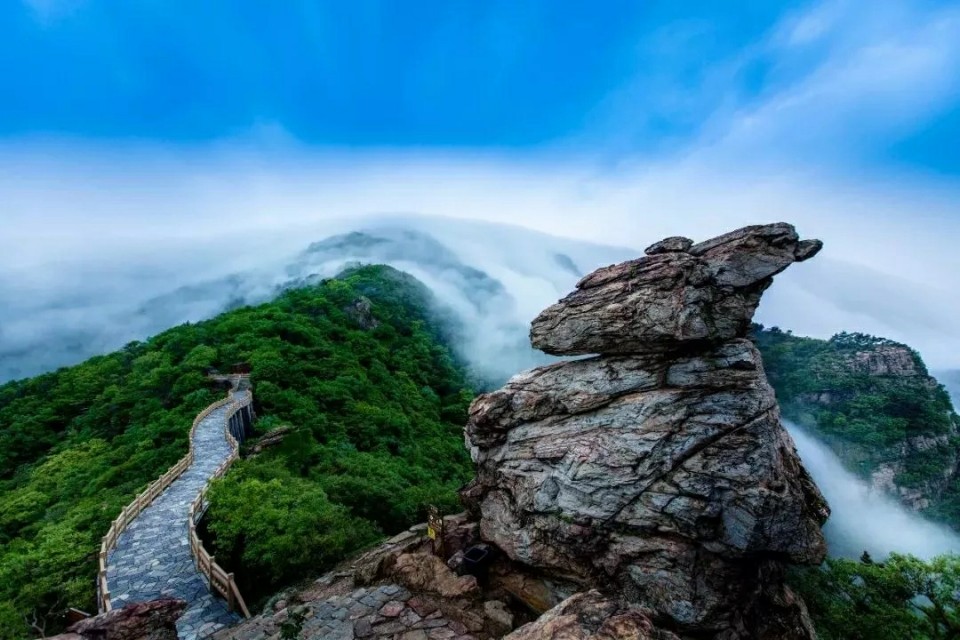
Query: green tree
[901, 598]
[384, 406]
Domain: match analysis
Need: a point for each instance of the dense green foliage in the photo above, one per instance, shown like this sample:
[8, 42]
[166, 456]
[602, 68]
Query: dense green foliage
[377, 413]
[902, 598]
[865, 418]
[77, 445]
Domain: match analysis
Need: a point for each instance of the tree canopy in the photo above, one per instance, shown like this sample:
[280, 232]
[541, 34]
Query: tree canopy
[866, 419]
[901, 598]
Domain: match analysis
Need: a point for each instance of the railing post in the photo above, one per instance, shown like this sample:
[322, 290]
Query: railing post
[231, 587]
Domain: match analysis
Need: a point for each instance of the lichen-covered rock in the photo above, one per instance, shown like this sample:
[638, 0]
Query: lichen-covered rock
[707, 292]
[590, 616]
[660, 471]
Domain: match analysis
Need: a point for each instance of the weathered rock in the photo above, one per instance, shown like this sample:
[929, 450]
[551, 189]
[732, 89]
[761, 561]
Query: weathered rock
[538, 595]
[590, 616]
[887, 360]
[361, 312]
[154, 620]
[459, 532]
[706, 293]
[427, 573]
[669, 245]
[499, 617]
[659, 472]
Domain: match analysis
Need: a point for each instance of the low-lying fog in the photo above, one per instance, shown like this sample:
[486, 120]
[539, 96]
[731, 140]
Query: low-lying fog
[95, 296]
[864, 519]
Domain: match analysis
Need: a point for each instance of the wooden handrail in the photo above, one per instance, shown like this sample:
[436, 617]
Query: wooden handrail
[148, 495]
[217, 578]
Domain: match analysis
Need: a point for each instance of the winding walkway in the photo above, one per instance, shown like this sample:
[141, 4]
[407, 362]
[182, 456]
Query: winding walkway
[152, 558]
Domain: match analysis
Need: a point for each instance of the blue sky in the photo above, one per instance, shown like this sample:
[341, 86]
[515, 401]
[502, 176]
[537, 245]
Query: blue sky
[612, 77]
[449, 73]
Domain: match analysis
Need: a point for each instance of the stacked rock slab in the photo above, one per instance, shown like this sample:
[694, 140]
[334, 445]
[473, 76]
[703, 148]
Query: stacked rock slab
[658, 471]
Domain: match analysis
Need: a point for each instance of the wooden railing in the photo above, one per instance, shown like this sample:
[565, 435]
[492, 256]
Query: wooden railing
[143, 500]
[219, 580]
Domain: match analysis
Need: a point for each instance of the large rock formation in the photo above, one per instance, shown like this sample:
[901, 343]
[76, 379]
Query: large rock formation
[680, 295]
[657, 471]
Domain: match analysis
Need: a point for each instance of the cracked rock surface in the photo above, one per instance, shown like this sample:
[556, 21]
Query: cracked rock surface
[657, 471]
[679, 294]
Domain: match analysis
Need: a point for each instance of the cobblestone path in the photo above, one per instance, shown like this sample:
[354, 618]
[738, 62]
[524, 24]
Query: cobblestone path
[152, 558]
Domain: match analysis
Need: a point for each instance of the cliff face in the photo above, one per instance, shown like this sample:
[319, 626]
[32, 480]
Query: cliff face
[657, 471]
[874, 403]
[886, 360]
[899, 361]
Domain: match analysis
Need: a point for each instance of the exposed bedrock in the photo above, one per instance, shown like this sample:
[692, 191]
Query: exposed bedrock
[657, 472]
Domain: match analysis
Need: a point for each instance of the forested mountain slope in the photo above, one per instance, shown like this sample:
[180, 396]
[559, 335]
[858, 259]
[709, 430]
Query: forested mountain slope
[353, 364]
[874, 403]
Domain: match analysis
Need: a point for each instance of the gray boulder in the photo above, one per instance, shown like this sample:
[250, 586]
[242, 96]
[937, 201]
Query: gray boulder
[659, 472]
[705, 293]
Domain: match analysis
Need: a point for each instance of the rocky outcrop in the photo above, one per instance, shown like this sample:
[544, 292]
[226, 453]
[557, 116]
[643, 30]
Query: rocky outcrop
[270, 439]
[825, 386]
[887, 360]
[897, 361]
[591, 616]
[398, 590]
[927, 491]
[361, 312]
[680, 294]
[657, 471]
[154, 620]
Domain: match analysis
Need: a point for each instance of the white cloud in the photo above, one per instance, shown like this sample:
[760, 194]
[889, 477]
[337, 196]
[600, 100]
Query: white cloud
[219, 214]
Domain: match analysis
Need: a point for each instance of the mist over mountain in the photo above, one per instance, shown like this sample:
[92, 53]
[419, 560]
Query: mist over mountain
[488, 280]
[493, 277]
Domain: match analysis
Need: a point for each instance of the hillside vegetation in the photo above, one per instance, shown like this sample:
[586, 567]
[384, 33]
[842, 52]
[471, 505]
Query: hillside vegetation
[376, 401]
[900, 598]
[873, 402]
